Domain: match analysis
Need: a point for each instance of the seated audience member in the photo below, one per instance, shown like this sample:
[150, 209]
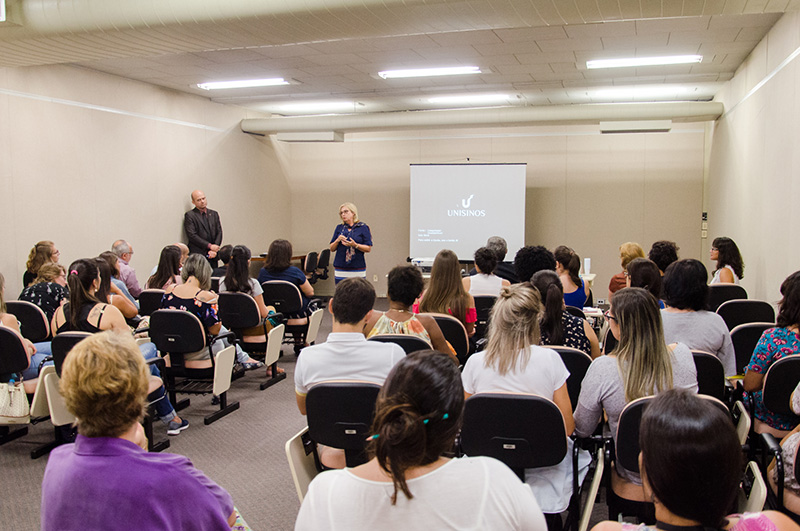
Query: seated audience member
[107, 479]
[446, 293]
[168, 270]
[85, 313]
[556, 324]
[484, 281]
[48, 289]
[124, 252]
[568, 266]
[35, 357]
[730, 266]
[663, 253]
[409, 483]
[346, 355]
[685, 317]
[184, 251]
[504, 270]
[628, 251]
[193, 296]
[224, 255]
[108, 292]
[113, 263]
[514, 363]
[405, 284]
[775, 343]
[691, 464]
[279, 267]
[644, 273]
[641, 365]
[532, 259]
[43, 252]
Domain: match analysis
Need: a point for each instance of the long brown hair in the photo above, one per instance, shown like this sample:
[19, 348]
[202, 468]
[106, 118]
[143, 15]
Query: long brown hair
[41, 253]
[279, 257]
[445, 290]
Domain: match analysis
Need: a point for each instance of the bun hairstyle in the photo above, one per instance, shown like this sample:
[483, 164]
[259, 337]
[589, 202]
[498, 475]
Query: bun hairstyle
[417, 415]
[570, 261]
[80, 278]
[514, 326]
[552, 293]
[237, 277]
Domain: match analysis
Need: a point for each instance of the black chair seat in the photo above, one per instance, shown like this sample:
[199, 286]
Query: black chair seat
[719, 293]
[33, 321]
[745, 338]
[736, 312]
[710, 374]
[483, 307]
[455, 334]
[150, 301]
[577, 363]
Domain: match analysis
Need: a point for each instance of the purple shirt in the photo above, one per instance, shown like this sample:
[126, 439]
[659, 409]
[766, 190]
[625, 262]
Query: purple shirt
[128, 276]
[110, 483]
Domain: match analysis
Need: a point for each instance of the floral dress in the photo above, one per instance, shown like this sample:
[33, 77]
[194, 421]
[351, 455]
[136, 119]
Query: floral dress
[775, 343]
[574, 334]
[206, 312]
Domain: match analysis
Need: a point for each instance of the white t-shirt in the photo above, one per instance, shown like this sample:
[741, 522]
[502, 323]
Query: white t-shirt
[345, 356]
[481, 284]
[544, 373]
[465, 493]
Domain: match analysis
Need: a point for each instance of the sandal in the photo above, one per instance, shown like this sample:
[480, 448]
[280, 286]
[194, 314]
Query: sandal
[252, 365]
[269, 371]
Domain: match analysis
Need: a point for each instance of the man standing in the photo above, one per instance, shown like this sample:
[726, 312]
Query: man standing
[124, 252]
[203, 228]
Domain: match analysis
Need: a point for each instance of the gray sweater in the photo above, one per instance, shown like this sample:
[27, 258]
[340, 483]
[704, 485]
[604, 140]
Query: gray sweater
[701, 330]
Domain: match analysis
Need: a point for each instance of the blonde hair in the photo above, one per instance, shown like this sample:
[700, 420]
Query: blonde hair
[104, 382]
[49, 272]
[352, 208]
[40, 254]
[643, 358]
[629, 251]
[446, 293]
[514, 326]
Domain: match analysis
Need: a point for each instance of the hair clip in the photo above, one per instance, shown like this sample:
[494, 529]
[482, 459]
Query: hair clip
[426, 421]
[373, 437]
[73, 272]
[444, 417]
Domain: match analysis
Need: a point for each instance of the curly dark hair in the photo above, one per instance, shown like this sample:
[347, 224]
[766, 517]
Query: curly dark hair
[404, 284]
[789, 313]
[663, 253]
[532, 259]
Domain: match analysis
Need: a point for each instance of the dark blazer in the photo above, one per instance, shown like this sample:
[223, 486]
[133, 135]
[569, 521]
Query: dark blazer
[202, 230]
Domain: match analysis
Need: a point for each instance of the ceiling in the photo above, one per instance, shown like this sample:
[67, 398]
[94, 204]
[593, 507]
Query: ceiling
[533, 52]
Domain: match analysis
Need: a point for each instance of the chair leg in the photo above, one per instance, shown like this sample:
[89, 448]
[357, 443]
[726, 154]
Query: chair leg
[224, 409]
[554, 522]
[275, 377]
[7, 435]
[58, 439]
[152, 445]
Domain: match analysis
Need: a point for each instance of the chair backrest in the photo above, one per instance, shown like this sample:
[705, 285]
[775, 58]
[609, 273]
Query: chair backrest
[741, 311]
[780, 381]
[745, 338]
[627, 440]
[215, 284]
[39, 406]
[13, 358]
[61, 346]
[455, 334]
[589, 300]
[324, 259]
[719, 293]
[710, 374]
[176, 332]
[33, 321]
[274, 342]
[577, 363]
[59, 414]
[742, 421]
[314, 322]
[340, 414]
[408, 343]
[577, 312]
[310, 262]
[753, 491]
[609, 342]
[523, 431]
[283, 295]
[483, 307]
[238, 311]
[300, 454]
[150, 301]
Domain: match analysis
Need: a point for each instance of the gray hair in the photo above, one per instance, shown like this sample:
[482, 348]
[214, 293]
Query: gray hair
[120, 247]
[198, 267]
[499, 246]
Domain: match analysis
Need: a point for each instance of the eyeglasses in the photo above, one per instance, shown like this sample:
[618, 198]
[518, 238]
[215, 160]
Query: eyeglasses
[626, 273]
[714, 249]
[610, 317]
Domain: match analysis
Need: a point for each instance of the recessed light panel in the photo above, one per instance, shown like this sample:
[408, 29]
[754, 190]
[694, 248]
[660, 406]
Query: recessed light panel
[644, 61]
[243, 83]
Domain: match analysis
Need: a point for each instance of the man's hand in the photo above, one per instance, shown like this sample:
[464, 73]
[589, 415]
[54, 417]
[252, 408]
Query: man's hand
[212, 254]
[213, 247]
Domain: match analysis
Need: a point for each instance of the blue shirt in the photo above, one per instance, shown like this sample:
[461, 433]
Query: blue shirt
[577, 298]
[349, 258]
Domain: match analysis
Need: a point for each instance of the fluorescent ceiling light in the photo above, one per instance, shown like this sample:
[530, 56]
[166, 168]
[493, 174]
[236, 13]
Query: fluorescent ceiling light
[319, 106]
[644, 61]
[243, 83]
[644, 91]
[470, 98]
[426, 72]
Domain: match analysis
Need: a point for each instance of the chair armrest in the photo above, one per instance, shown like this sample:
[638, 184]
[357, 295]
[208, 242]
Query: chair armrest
[230, 336]
[772, 447]
[158, 361]
[41, 363]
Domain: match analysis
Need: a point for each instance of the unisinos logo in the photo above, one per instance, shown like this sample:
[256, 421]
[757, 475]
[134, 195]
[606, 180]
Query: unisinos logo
[465, 211]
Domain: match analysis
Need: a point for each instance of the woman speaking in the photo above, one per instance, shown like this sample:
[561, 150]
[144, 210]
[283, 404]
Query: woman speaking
[351, 239]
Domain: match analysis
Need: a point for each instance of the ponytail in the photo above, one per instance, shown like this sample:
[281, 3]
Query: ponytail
[82, 273]
[551, 323]
[237, 276]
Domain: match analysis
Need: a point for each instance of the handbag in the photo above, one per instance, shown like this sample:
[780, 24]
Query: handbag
[14, 406]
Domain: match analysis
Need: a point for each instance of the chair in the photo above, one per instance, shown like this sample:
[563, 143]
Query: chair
[742, 421]
[780, 381]
[215, 284]
[408, 343]
[323, 261]
[454, 333]
[577, 363]
[13, 359]
[314, 322]
[577, 312]
[238, 312]
[609, 342]
[150, 301]
[745, 338]
[719, 293]
[310, 266]
[286, 298]
[33, 321]
[483, 307]
[300, 454]
[61, 345]
[339, 416]
[522, 431]
[175, 333]
[753, 491]
[736, 312]
[710, 374]
[589, 300]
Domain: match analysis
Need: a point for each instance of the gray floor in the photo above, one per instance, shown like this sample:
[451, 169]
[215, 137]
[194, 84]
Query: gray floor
[243, 452]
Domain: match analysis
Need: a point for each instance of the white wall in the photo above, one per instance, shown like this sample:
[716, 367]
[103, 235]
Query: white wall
[84, 177]
[753, 185]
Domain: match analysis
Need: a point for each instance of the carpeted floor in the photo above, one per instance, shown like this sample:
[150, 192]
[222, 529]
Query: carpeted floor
[243, 452]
